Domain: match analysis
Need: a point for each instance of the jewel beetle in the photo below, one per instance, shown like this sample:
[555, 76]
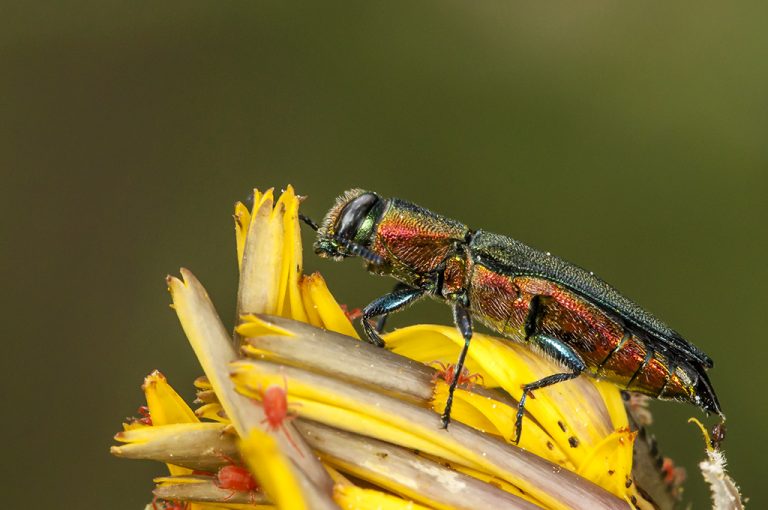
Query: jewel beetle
[526, 295]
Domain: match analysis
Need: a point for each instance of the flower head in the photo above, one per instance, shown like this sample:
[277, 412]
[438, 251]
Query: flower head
[321, 419]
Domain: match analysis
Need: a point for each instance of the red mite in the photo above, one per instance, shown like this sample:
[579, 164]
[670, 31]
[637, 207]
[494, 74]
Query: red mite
[235, 478]
[353, 314]
[145, 419]
[673, 476]
[447, 373]
[168, 505]
[275, 402]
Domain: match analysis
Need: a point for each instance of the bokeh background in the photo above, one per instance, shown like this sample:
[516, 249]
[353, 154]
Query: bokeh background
[627, 138]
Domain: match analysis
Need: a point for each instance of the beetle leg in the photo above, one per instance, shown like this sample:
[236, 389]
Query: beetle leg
[383, 318]
[463, 321]
[385, 305]
[561, 353]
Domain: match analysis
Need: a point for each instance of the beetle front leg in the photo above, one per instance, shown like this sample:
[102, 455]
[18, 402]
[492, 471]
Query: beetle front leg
[399, 286]
[561, 353]
[385, 305]
[463, 321]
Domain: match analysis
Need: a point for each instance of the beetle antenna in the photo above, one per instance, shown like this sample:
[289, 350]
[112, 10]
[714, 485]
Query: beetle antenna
[314, 226]
[360, 251]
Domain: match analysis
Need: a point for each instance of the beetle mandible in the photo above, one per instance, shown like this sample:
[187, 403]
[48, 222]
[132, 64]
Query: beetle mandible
[526, 295]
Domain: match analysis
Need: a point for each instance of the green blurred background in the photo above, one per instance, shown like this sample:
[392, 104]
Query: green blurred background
[629, 139]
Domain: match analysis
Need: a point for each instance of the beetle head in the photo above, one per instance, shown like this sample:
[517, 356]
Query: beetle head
[349, 227]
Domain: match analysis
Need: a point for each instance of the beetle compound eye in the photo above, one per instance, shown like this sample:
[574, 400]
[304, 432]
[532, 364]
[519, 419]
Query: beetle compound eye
[354, 214]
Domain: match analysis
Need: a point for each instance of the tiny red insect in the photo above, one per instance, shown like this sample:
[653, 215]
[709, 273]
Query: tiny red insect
[145, 419]
[168, 505]
[275, 402]
[235, 478]
[353, 314]
[673, 476]
[448, 372]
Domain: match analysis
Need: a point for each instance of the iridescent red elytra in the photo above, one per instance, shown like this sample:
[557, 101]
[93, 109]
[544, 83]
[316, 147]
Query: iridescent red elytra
[526, 295]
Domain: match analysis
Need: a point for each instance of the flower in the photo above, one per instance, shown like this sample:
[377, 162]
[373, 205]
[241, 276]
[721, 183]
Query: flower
[367, 433]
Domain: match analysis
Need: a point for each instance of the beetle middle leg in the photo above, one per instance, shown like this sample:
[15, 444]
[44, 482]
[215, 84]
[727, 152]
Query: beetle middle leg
[463, 321]
[392, 302]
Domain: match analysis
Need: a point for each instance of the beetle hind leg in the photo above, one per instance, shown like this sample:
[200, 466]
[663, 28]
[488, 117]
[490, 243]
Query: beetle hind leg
[561, 353]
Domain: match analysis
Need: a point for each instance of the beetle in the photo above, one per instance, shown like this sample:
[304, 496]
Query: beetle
[526, 295]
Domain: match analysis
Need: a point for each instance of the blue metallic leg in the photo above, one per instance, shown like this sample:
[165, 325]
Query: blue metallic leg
[562, 354]
[385, 305]
[399, 286]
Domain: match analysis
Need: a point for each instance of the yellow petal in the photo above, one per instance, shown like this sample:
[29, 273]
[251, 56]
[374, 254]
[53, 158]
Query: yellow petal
[214, 350]
[260, 270]
[193, 445]
[321, 403]
[273, 470]
[242, 218]
[170, 480]
[212, 412]
[313, 315]
[252, 326]
[165, 405]
[614, 403]
[202, 383]
[213, 347]
[495, 417]
[372, 426]
[609, 464]
[496, 482]
[330, 313]
[570, 412]
[163, 432]
[428, 343]
[350, 497]
[133, 425]
[363, 411]
[289, 297]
